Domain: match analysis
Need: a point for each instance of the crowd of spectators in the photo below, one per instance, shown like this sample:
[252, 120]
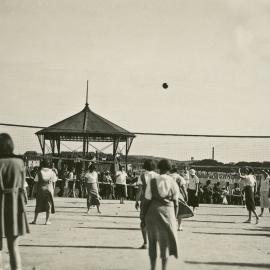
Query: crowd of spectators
[71, 183]
[218, 194]
[215, 187]
[217, 175]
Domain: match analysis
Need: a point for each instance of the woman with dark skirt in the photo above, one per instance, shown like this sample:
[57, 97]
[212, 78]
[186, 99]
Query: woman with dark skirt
[193, 190]
[207, 192]
[121, 184]
[91, 178]
[249, 180]
[161, 209]
[44, 182]
[183, 210]
[13, 220]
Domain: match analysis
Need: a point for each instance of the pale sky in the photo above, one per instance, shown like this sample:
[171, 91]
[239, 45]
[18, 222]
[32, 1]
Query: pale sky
[214, 54]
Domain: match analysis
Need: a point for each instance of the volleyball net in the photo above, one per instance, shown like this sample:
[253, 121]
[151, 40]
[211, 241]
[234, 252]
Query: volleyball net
[187, 148]
[175, 146]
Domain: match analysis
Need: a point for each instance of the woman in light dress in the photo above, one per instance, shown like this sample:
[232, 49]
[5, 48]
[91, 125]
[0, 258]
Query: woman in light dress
[193, 190]
[44, 181]
[13, 220]
[249, 180]
[121, 184]
[183, 210]
[91, 178]
[264, 192]
[161, 210]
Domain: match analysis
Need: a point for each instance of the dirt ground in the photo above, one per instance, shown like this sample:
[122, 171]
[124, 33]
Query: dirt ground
[215, 238]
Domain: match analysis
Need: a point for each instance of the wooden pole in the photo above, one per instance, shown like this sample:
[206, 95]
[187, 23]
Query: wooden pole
[126, 156]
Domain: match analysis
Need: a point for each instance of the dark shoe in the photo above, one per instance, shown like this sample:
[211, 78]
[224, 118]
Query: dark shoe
[247, 221]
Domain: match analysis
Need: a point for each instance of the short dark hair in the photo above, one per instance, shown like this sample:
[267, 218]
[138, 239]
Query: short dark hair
[6, 144]
[149, 165]
[250, 171]
[208, 182]
[174, 169]
[264, 173]
[92, 167]
[45, 163]
[164, 165]
[244, 170]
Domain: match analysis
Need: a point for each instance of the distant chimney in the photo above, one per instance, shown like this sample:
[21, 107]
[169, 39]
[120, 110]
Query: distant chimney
[213, 153]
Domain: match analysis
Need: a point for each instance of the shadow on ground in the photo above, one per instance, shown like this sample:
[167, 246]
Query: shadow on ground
[108, 228]
[210, 221]
[71, 246]
[220, 215]
[239, 264]
[236, 234]
[260, 229]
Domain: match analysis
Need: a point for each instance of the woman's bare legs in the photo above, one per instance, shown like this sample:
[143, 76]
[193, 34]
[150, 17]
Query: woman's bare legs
[180, 228]
[255, 214]
[164, 263]
[47, 222]
[14, 253]
[153, 263]
[1, 260]
[35, 218]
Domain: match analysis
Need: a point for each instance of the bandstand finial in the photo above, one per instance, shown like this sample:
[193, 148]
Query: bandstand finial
[86, 103]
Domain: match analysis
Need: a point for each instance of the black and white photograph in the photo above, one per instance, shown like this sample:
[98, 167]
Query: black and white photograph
[134, 134]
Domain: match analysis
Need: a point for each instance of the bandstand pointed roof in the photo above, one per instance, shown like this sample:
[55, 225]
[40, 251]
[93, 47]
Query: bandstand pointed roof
[86, 123]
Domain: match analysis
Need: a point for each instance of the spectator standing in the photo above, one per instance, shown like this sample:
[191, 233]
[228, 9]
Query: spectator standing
[193, 189]
[91, 178]
[207, 192]
[217, 192]
[264, 192]
[55, 170]
[107, 180]
[121, 184]
[237, 195]
[250, 186]
[200, 193]
[66, 182]
[72, 183]
[13, 220]
[63, 176]
[44, 182]
[185, 174]
[227, 192]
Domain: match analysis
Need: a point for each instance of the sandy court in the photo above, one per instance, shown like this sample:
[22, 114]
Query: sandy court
[215, 238]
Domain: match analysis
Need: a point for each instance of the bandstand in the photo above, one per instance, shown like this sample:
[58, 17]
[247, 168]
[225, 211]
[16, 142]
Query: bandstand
[85, 127]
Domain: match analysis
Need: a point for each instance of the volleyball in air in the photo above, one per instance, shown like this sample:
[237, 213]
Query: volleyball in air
[165, 85]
